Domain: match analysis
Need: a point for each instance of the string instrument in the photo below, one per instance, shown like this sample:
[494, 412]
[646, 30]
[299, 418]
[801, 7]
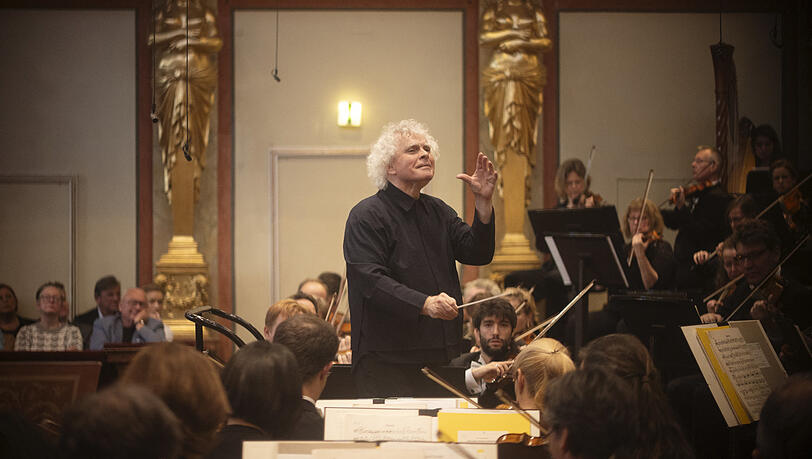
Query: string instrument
[642, 213]
[769, 279]
[522, 444]
[791, 205]
[580, 201]
[652, 236]
[688, 191]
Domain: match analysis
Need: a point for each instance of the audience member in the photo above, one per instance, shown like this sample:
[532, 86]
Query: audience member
[539, 363]
[591, 414]
[132, 324]
[155, 305]
[493, 323]
[657, 432]
[699, 219]
[279, 312]
[10, 321]
[189, 385]
[786, 417]
[310, 303]
[122, 422]
[49, 334]
[107, 293]
[314, 344]
[263, 387]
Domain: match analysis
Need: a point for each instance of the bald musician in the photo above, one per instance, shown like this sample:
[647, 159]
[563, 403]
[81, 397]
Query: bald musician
[400, 247]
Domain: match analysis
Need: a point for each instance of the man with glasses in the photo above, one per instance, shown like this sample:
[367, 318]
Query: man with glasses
[131, 324]
[699, 218]
[49, 333]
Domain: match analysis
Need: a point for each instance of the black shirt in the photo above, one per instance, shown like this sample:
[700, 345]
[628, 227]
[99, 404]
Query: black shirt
[399, 251]
[661, 257]
[127, 333]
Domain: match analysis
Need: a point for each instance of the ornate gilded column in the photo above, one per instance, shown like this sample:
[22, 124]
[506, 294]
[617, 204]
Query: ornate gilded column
[186, 44]
[513, 84]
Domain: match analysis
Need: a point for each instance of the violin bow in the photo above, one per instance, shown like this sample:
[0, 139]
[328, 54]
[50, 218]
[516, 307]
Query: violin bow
[445, 385]
[471, 303]
[515, 407]
[723, 288]
[534, 329]
[768, 276]
[564, 311]
[642, 214]
[589, 161]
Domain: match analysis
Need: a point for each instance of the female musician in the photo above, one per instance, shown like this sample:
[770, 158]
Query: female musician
[536, 365]
[572, 186]
[525, 306]
[730, 268]
[794, 207]
[653, 257]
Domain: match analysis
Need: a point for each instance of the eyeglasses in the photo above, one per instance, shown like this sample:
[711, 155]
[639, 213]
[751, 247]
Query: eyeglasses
[54, 298]
[742, 257]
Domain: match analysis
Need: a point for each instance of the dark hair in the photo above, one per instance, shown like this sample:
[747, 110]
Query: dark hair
[765, 130]
[6, 286]
[121, 422]
[784, 163]
[50, 284]
[626, 357]
[746, 203]
[755, 232]
[310, 298]
[263, 386]
[312, 340]
[783, 430]
[721, 274]
[105, 283]
[331, 280]
[597, 409]
[497, 307]
[151, 287]
[189, 385]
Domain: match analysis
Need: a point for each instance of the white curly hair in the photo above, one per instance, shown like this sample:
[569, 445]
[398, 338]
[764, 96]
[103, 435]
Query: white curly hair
[385, 148]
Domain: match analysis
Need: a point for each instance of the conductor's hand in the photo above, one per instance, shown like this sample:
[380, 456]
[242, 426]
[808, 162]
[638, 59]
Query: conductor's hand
[440, 306]
[491, 371]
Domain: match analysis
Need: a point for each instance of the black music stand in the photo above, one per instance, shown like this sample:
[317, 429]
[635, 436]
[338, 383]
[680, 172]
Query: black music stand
[585, 244]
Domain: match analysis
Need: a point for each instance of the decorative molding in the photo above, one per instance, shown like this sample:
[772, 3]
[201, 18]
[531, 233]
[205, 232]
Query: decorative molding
[71, 181]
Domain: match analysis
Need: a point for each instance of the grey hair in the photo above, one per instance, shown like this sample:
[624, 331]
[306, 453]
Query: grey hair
[385, 148]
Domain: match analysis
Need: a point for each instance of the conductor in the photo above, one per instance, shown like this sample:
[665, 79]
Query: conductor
[400, 247]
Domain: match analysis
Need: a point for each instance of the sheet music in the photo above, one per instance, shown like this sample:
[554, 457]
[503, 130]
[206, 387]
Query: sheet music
[365, 427]
[742, 362]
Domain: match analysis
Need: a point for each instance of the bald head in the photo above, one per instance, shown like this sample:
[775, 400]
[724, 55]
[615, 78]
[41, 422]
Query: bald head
[132, 303]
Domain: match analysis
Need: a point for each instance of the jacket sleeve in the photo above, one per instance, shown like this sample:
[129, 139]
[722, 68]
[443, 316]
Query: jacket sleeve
[151, 332]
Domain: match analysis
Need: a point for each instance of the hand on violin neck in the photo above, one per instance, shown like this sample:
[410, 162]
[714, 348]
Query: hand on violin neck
[440, 306]
[678, 197]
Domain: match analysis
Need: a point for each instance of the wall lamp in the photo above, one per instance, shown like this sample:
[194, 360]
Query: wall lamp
[349, 113]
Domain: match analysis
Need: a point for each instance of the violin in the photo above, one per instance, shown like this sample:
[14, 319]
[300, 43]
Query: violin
[580, 201]
[652, 236]
[692, 190]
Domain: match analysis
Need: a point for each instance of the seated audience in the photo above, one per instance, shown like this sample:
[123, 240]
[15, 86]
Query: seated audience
[49, 334]
[591, 414]
[263, 387]
[10, 321]
[786, 417]
[493, 322]
[155, 305]
[107, 293]
[525, 308]
[132, 324]
[310, 303]
[653, 265]
[572, 186]
[122, 422]
[537, 364]
[657, 432]
[189, 385]
[314, 344]
[279, 312]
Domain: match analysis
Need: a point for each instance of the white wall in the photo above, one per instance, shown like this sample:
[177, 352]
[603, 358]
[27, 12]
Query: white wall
[68, 108]
[398, 64]
[640, 86]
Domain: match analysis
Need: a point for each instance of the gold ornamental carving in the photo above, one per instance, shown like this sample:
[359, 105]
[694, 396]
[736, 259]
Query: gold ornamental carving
[513, 84]
[186, 43]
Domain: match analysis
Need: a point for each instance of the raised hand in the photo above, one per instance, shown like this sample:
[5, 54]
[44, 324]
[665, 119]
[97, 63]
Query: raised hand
[482, 183]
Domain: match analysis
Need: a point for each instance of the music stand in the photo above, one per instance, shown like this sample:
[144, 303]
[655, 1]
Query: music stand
[585, 244]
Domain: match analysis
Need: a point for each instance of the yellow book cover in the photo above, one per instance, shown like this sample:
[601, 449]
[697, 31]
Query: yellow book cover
[724, 379]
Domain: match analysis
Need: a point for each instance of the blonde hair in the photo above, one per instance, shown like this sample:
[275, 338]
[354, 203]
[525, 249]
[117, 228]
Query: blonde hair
[570, 165]
[652, 212]
[542, 361]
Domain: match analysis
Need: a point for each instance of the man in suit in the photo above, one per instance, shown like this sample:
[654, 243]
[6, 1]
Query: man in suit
[314, 343]
[132, 324]
[107, 293]
[493, 322]
[699, 218]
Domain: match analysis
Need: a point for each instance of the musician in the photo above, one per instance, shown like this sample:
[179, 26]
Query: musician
[740, 209]
[525, 307]
[572, 186]
[700, 218]
[400, 247]
[653, 257]
[729, 269]
[493, 322]
[536, 365]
